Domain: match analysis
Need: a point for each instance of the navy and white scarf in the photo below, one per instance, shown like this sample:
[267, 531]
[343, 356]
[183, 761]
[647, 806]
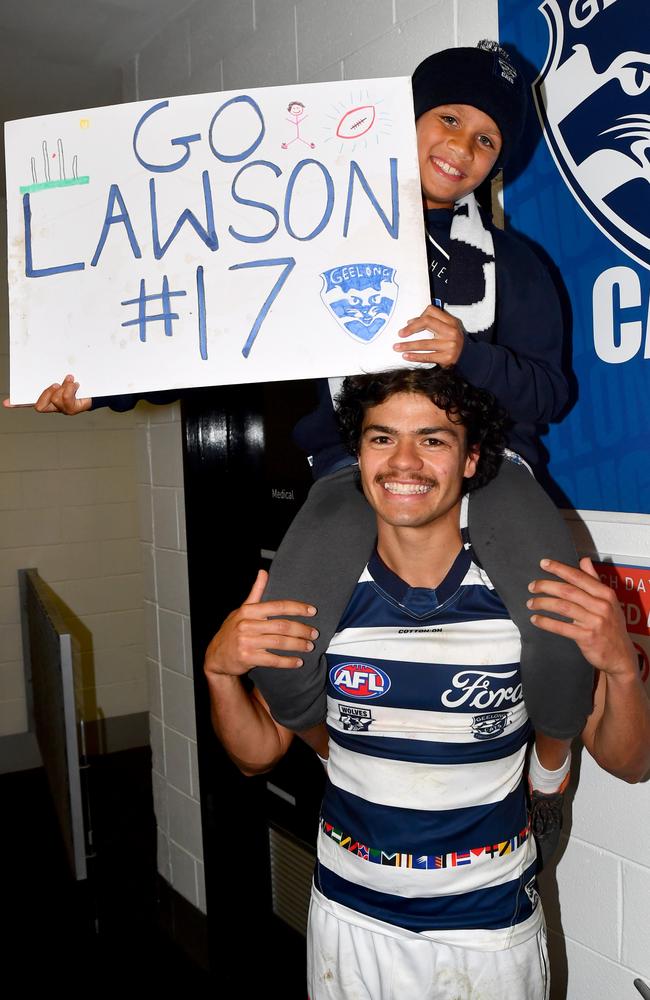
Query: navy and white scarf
[471, 285]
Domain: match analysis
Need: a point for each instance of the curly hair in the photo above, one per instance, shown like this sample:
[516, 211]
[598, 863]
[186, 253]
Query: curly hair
[475, 409]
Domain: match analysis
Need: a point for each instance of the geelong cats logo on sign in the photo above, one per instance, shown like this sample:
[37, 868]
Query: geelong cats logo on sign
[361, 297]
[593, 100]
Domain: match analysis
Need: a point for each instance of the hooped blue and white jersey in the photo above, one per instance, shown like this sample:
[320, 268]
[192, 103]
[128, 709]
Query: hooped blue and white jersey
[424, 822]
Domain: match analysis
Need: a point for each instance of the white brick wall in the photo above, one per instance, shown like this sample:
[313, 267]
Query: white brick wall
[599, 928]
[169, 665]
[68, 508]
[78, 526]
[405, 45]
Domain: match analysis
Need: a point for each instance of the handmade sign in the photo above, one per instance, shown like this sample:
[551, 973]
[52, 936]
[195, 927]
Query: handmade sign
[216, 239]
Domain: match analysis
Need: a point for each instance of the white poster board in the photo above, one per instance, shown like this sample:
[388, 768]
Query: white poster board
[214, 239]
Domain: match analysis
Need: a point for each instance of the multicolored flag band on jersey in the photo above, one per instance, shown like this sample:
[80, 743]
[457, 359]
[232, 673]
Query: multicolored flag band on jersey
[396, 859]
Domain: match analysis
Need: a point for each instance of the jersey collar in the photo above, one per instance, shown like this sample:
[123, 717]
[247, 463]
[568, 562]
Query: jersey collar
[419, 601]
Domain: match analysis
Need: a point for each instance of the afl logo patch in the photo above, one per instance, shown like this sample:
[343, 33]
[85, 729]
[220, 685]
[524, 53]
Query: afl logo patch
[359, 680]
[486, 727]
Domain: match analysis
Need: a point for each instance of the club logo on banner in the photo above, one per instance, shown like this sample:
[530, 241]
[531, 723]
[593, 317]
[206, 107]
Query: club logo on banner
[593, 97]
[579, 189]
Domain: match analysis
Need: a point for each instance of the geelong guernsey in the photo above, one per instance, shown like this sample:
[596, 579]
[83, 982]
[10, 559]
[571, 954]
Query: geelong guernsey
[424, 824]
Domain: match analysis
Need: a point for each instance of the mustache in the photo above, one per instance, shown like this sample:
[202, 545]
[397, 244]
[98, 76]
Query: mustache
[388, 477]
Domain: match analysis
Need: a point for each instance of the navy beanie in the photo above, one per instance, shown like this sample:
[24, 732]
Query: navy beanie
[484, 77]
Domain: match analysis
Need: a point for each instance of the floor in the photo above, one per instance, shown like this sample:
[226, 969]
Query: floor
[63, 933]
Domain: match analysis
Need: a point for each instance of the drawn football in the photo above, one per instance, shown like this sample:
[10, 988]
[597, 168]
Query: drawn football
[356, 122]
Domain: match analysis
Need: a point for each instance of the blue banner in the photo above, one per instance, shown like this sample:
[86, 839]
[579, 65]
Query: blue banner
[580, 189]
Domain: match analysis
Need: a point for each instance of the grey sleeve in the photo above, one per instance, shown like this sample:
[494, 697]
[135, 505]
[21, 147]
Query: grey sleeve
[513, 524]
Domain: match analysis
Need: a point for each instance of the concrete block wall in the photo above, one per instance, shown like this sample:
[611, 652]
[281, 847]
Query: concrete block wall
[598, 929]
[172, 726]
[230, 44]
[597, 900]
[68, 507]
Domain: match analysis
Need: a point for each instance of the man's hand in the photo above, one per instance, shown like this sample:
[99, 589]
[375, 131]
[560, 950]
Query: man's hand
[444, 344]
[597, 623]
[248, 633]
[59, 398]
[617, 733]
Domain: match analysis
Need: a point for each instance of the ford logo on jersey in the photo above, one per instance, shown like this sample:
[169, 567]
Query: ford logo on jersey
[592, 99]
[359, 680]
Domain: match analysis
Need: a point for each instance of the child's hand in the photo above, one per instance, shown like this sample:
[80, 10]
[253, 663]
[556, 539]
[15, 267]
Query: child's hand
[59, 398]
[444, 343]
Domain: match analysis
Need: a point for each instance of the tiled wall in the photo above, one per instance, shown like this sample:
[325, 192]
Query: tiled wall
[168, 649]
[68, 507]
[600, 932]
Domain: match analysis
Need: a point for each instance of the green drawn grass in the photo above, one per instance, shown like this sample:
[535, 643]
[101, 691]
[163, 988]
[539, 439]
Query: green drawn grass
[28, 188]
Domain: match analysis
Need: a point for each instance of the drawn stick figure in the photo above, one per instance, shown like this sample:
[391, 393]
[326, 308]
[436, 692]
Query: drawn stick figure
[297, 111]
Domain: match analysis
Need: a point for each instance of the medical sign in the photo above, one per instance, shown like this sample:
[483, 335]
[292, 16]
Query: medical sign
[214, 239]
[580, 189]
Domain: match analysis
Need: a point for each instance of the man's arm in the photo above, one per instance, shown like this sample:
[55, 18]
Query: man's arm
[241, 718]
[617, 733]
[254, 741]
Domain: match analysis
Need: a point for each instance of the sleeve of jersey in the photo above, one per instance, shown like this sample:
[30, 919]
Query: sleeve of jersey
[523, 365]
[128, 400]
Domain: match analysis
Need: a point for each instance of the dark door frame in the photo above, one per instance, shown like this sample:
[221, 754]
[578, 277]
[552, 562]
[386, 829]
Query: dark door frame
[227, 491]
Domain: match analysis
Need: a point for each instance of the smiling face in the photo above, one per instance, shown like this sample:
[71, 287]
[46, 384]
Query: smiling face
[458, 146]
[413, 460]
